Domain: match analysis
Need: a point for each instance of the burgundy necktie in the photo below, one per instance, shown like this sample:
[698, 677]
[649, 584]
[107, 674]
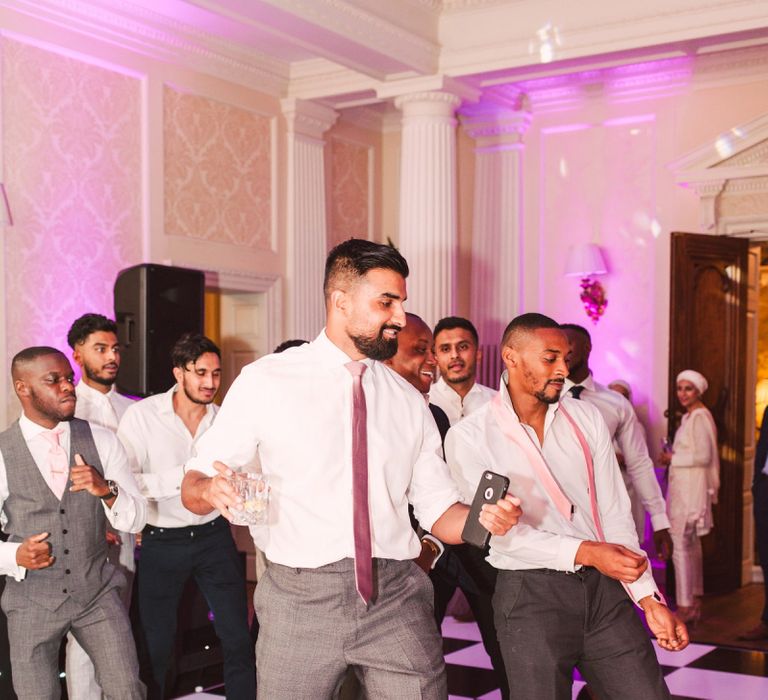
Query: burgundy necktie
[360, 517]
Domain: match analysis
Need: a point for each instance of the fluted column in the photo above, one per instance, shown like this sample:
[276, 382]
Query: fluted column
[428, 236]
[497, 222]
[305, 220]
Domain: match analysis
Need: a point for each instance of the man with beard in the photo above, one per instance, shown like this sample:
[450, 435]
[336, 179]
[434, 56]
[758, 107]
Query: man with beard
[627, 433]
[61, 481]
[559, 601]
[93, 338]
[346, 444]
[160, 433]
[457, 352]
[459, 566]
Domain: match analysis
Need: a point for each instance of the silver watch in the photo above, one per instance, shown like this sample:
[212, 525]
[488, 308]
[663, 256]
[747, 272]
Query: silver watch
[113, 490]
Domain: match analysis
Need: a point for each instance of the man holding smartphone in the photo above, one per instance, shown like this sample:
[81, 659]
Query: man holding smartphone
[559, 601]
[346, 445]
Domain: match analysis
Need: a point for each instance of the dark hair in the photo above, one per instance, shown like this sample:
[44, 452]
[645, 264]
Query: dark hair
[450, 322]
[29, 354]
[576, 327]
[354, 258]
[526, 323]
[189, 347]
[295, 343]
[87, 324]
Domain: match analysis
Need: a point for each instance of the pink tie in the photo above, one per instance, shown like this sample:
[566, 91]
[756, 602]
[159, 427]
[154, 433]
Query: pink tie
[360, 517]
[58, 462]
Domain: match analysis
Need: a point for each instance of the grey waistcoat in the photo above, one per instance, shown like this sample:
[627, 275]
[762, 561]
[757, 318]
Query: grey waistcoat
[77, 526]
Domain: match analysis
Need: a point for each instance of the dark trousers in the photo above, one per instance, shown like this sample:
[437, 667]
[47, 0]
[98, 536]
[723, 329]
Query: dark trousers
[169, 556]
[760, 506]
[464, 566]
[550, 622]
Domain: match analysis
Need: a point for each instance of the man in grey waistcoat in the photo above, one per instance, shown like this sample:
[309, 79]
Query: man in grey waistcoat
[61, 481]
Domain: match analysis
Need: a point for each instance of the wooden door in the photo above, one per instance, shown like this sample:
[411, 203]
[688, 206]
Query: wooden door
[708, 321]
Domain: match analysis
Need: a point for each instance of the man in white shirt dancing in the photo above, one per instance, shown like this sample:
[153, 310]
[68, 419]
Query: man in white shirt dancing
[559, 602]
[93, 339]
[457, 352]
[346, 444]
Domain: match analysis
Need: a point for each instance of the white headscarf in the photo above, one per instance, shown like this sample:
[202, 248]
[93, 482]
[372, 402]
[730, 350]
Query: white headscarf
[622, 383]
[696, 378]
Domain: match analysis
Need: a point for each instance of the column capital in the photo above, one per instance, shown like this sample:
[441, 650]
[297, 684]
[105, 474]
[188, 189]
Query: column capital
[307, 118]
[493, 126]
[428, 104]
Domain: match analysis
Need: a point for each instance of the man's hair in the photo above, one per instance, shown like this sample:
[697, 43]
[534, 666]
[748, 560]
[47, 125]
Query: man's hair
[352, 259]
[450, 322]
[87, 324]
[189, 347]
[526, 323]
[28, 355]
[579, 329]
[295, 343]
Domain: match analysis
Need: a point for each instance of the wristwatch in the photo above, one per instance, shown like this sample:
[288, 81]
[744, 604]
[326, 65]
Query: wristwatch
[113, 490]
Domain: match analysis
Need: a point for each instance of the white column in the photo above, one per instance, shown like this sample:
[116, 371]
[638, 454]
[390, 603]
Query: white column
[306, 251]
[497, 222]
[427, 236]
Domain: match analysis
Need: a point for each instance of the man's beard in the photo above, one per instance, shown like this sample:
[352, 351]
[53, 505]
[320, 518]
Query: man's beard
[91, 374]
[542, 396]
[378, 348]
[459, 380]
[194, 399]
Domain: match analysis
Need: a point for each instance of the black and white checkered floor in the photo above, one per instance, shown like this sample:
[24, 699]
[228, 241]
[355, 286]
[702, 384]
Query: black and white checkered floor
[701, 671]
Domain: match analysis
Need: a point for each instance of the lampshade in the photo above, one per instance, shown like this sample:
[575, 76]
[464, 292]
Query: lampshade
[585, 260]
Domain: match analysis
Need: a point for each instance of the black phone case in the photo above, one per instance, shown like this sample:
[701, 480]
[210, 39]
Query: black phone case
[491, 488]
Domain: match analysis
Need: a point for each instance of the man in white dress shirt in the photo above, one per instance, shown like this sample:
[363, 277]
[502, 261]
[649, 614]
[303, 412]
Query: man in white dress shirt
[341, 589]
[61, 480]
[160, 434]
[559, 602]
[458, 352]
[627, 433]
[93, 339]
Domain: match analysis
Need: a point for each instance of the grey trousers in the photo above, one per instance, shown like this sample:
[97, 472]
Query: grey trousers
[102, 629]
[550, 622]
[313, 626]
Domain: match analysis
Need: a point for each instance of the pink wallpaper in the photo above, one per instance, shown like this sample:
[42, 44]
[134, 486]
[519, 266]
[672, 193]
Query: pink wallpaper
[217, 171]
[71, 134]
[349, 203]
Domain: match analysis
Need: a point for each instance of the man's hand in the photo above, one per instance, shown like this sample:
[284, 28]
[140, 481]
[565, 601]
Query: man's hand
[113, 539]
[86, 478]
[671, 634]
[663, 543]
[500, 518]
[34, 552]
[613, 560]
[202, 494]
[665, 458]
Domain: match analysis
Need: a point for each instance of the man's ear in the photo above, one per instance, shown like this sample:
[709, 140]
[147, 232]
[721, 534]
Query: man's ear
[178, 374]
[478, 356]
[21, 388]
[77, 357]
[509, 356]
[339, 300]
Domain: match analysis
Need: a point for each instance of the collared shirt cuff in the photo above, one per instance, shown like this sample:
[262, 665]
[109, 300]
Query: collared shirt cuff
[8, 565]
[438, 544]
[643, 587]
[660, 521]
[566, 555]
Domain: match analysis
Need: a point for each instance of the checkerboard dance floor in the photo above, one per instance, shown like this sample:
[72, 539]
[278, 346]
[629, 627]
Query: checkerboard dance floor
[701, 671]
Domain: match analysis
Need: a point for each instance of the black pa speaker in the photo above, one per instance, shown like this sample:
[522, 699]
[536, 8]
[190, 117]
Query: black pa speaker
[154, 306]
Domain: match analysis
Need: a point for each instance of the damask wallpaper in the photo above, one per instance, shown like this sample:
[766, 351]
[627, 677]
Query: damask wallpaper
[72, 169]
[218, 171]
[350, 191]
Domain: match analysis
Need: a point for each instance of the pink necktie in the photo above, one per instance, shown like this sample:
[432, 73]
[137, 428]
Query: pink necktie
[58, 462]
[360, 517]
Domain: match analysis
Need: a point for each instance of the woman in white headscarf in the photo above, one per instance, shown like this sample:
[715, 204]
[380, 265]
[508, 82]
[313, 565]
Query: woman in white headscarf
[694, 479]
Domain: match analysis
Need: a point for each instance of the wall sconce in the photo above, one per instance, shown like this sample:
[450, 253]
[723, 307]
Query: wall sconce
[586, 260]
[5, 209]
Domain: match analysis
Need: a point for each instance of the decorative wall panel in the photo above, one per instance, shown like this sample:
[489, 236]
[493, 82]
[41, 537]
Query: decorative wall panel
[350, 191]
[218, 171]
[72, 168]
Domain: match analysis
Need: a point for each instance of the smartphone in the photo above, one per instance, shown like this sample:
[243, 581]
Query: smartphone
[491, 488]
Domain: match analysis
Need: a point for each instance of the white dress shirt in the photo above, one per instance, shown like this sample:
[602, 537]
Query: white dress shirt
[543, 538]
[129, 510]
[101, 409]
[627, 432]
[158, 444]
[443, 396]
[295, 407]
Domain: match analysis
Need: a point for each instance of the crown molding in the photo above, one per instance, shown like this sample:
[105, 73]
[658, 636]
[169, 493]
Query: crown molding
[146, 32]
[307, 119]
